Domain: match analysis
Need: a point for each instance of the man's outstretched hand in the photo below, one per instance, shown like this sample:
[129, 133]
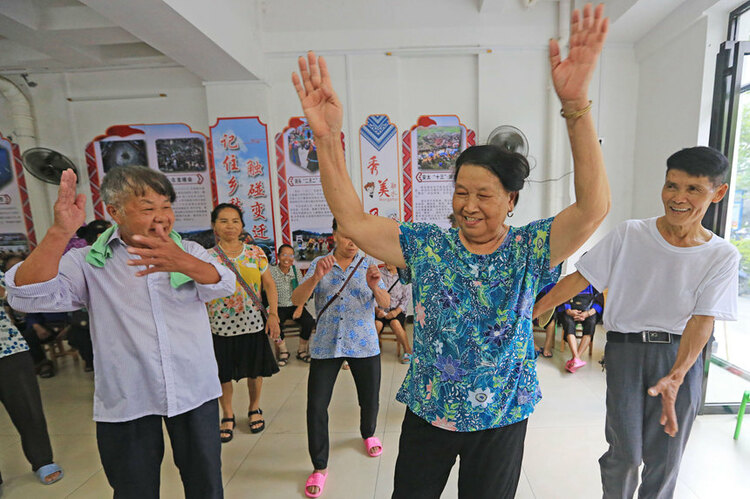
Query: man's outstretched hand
[667, 387]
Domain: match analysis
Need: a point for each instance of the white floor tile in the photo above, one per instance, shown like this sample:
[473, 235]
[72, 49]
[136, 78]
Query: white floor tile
[564, 440]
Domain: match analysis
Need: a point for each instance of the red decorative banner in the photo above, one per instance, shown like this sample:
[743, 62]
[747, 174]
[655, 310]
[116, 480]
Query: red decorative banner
[183, 155]
[243, 174]
[379, 166]
[305, 217]
[17, 233]
[429, 153]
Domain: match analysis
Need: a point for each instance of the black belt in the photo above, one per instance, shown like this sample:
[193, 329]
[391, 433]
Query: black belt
[642, 337]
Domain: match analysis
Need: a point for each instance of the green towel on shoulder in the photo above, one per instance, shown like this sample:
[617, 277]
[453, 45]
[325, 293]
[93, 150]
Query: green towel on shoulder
[100, 252]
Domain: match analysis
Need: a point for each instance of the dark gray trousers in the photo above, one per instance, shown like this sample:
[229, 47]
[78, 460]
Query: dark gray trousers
[632, 426]
[131, 453]
[19, 393]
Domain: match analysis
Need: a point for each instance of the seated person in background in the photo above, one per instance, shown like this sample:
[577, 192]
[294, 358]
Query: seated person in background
[395, 314]
[79, 337]
[287, 277]
[581, 309]
[547, 322]
[19, 393]
[41, 328]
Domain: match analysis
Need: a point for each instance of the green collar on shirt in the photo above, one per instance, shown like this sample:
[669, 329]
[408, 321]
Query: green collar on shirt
[100, 252]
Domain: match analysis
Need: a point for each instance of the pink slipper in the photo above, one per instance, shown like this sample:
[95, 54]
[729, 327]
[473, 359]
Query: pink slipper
[373, 442]
[574, 364]
[316, 479]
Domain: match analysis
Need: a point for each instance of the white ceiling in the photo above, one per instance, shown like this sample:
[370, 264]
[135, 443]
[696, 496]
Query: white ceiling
[226, 39]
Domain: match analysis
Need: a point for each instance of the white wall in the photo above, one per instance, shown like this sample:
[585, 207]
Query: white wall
[670, 88]
[69, 126]
[677, 62]
[487, 90]
[510, 85]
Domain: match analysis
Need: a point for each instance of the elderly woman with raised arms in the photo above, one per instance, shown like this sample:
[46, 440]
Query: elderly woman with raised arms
[472, 383]
[145, 290]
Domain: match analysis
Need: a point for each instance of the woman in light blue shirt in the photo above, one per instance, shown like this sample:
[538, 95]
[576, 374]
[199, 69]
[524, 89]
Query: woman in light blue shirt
[345, 331]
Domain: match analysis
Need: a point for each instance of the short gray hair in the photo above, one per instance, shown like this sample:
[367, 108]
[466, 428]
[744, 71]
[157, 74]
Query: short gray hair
[124, 182]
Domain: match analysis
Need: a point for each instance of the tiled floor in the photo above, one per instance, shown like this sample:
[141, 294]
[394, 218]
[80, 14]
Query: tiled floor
[564, 440]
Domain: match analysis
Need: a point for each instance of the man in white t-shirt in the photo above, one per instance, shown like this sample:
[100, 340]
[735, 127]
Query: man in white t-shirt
[669, 278]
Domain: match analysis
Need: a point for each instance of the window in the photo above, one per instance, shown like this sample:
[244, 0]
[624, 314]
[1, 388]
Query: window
[727, 372]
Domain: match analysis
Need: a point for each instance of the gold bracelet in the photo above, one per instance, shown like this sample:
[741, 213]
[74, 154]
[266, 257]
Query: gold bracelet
[576, 114]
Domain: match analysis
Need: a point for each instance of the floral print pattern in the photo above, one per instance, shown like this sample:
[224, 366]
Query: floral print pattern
[474, 365]
[11, 340]
[347, 327]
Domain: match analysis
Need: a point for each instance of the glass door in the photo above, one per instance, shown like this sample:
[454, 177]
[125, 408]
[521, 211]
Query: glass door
[727, 367]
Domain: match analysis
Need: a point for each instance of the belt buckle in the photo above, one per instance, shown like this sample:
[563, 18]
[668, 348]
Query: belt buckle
[653, 337]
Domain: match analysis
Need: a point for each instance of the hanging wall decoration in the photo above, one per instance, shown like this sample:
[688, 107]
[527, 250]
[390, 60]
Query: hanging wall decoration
[242, 166]
[174, 149]
[378, 152]
[16, 226]
[430, 149]
[305, 217]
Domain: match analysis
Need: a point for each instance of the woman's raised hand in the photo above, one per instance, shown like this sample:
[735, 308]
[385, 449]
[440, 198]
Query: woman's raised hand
[571, 76]
[70, 209]
[320, 103]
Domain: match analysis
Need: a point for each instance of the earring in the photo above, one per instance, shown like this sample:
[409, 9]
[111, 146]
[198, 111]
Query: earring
[510, 214]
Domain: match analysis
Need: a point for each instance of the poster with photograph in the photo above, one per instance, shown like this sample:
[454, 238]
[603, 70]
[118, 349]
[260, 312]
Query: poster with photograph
[16, 226]
[243, 176]
[430, 149]
[305, 217]
[378, 154]
[173, 149]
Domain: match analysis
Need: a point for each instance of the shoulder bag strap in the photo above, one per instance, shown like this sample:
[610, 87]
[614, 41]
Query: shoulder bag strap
[248, 289]
[338, 293]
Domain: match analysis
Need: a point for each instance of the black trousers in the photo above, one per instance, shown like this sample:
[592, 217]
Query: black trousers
[131, 453]
[35, 345]
[80, 338]
[569, 325]
[19, 393]
[322, 377]
[490, 460]
[306, 321]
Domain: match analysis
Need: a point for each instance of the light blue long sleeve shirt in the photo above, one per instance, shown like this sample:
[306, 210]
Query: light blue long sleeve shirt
[153, 352]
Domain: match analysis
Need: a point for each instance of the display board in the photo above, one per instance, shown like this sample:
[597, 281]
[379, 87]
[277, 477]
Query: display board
[429, 152]
[242, 167]
[305, 217]
[16, 225]
[378, 154]
[174, 149]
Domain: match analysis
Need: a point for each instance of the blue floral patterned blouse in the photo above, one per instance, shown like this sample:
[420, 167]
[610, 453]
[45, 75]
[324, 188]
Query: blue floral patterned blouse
[474, 365]
[347, 327]
[11, 340]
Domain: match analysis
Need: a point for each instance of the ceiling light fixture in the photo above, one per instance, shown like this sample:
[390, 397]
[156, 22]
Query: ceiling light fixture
[116, 97]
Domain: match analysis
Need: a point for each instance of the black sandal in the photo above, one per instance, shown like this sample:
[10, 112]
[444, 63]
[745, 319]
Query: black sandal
[304, 356]
[283, 358]
[227, 434]
[256, 426]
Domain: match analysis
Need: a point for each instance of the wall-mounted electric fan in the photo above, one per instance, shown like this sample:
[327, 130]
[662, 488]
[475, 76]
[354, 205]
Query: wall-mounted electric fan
[47, 165]
[509, 138]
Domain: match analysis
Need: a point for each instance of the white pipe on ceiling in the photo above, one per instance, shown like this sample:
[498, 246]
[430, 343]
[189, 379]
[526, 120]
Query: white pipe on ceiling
[24, 135]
